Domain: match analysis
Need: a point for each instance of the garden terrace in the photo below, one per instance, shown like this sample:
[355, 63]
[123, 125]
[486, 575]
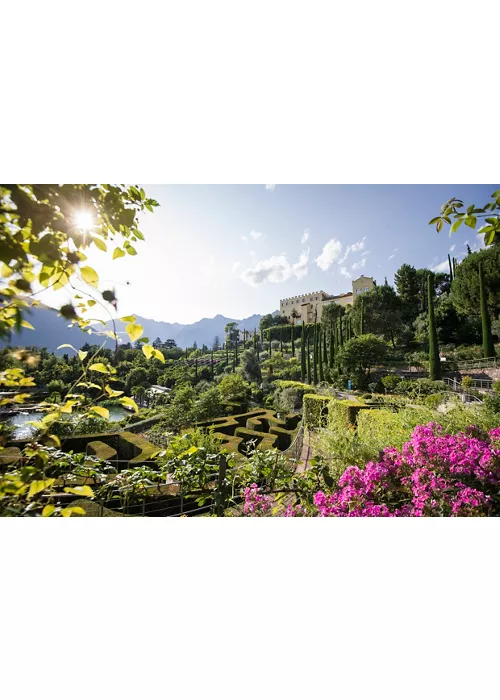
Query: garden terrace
[262, 426]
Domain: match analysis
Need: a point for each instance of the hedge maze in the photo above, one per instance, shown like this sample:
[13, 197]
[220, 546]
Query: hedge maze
[261, 429]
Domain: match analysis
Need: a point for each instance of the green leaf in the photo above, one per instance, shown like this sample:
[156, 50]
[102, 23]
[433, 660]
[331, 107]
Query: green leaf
[158, 355]
[101, 411]
[470, 221]
[130, 249]
[90, 276]
[128, 319]
[66, 345]
[99, 367]
[85, 491]
[75, 510]
[48, 510]
[134, 331]
[25, 324]
[489, 238]
[434, 220]
[99, 243]
[148, 350]
[37, 486]
[456, 225]
[118, 253]
[127, 401]
[439, 225]
[82, 354]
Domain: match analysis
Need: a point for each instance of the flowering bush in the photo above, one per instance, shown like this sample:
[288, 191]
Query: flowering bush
[256, 503]
[435, 474]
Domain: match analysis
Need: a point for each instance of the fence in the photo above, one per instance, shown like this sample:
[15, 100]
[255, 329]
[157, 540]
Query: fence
[484, 384]
[295, 450]
[465, 398]
[481, 363]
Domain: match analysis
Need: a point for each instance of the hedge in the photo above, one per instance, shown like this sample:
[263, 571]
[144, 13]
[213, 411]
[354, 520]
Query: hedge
[284, 437]
[348, 410]
[101, 450]
[315, 409]
[264, 441]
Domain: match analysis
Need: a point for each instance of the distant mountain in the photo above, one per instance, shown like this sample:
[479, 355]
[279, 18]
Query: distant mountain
[52, 330]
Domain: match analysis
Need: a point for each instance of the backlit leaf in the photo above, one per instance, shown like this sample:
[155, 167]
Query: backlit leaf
[48, 510]
[38, 486]
[128, 319]
[82, 354]
[134, 331]
[90, 276]
[80, 491]
[118, 253]
[100, 244]
[66, 345]
[25, 324]
[148, 350]
[101, 411]
[99, 367]
[127, 401]
[68, 512]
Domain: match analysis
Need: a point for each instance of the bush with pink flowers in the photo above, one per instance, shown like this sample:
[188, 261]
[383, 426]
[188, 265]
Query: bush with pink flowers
[435, 474]
[256, 503]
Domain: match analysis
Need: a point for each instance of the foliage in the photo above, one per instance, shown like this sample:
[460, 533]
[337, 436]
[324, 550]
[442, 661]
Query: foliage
[465, 290]
[359, 355]
[435, 474]
[434, 359]
[454, 209]
[234, 389]
[390, 381]
[315, 409]
[488, 346]
[408, 289]
[382, 312]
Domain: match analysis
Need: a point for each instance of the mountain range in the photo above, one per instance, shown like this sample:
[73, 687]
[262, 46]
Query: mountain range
[52, 330]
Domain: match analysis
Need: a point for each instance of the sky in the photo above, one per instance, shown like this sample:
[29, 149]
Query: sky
[236, 250]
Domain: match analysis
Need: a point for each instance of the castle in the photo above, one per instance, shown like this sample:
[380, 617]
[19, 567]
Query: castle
[308, 306]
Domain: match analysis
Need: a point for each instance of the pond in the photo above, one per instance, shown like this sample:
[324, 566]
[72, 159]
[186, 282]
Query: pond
[24, 430]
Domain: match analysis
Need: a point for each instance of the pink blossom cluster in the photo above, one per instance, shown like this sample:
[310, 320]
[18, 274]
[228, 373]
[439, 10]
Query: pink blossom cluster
[435, 474]
[256, 503]
[297, 511]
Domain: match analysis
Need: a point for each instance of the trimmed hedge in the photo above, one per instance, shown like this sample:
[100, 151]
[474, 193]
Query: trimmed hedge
[348, 410]
[137, 449]
[284, 437]
[101, 450]
[264, 441]
[315, 410]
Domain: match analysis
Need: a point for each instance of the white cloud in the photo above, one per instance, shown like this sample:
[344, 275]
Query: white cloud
[441, 267]
[255, 235]
[345, 272]
[305, 236]
[244, 238]
[391, 256]
[357, 265]
[330, 253]
[236, 265]
[270, 187]
[354, 248]
[276, 269]
[452, 248]
[367, 252]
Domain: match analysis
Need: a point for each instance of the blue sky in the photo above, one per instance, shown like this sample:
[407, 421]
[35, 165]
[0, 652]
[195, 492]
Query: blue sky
[238, 249]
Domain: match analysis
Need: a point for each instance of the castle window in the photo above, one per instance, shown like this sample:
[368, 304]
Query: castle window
[366, 289]
[358, 291]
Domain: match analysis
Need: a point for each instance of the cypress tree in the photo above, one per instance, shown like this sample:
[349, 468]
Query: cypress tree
[308, 358]
[227, 354]
[362, 317]
[293, 342]
[303, 366]
[488, 345]
[315, 355]
[434, 361]
[281, 340]
[325, 354]
[196, 370]
[451, 268]
[341, 335]
[212, 365]
[321, 358]
[270, 346]
[332, 347]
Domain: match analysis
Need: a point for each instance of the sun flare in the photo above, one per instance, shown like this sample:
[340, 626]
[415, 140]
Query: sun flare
[84, 221]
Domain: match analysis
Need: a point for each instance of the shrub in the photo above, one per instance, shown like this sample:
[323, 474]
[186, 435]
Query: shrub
[434, 400]
[315, 410]
[347, 410]
[466, 382]
[390, 381]
[435, 474]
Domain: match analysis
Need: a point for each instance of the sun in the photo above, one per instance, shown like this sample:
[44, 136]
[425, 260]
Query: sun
[84, 220]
